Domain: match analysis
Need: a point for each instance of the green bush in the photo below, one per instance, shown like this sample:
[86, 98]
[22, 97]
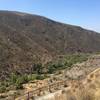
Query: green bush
[75, 58]
[13, 78]
[2, 89]
[38, 68]
[40, 77]
[31, 77]
[66, 62]
[3, 86]
[51, 69]
[18, 80]
[24, 78]
[19, 83]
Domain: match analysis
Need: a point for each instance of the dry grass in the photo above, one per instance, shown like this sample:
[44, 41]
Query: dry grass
[85, 91]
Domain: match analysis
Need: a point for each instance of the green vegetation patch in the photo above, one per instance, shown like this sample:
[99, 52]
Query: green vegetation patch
[66, 62]
[41, 72]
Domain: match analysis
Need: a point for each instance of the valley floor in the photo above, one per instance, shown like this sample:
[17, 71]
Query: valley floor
[81, 82]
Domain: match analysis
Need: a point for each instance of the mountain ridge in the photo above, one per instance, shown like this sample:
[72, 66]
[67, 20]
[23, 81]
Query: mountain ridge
[37, 15]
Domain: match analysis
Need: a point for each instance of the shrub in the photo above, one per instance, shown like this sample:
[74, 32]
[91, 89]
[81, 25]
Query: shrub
[18, 80]
[13, 78]
[31, 77]
[40, 77]
[38, 68]
[51, 69]
[66, 62]
[19, 83]
[75, 58]
[24, 79]
[2, 89]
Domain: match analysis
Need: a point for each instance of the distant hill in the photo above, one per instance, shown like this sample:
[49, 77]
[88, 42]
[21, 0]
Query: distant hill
[26, 38]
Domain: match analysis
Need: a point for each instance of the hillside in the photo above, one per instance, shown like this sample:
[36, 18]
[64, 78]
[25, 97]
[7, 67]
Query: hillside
[26, 39]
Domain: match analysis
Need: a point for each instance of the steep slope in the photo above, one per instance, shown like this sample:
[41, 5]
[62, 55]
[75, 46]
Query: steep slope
[24, 38]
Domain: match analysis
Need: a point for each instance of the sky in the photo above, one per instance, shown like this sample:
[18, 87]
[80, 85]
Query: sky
[85, 13]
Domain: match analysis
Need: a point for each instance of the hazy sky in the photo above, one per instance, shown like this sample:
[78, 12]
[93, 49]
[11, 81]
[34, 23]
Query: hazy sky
[85, 13]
